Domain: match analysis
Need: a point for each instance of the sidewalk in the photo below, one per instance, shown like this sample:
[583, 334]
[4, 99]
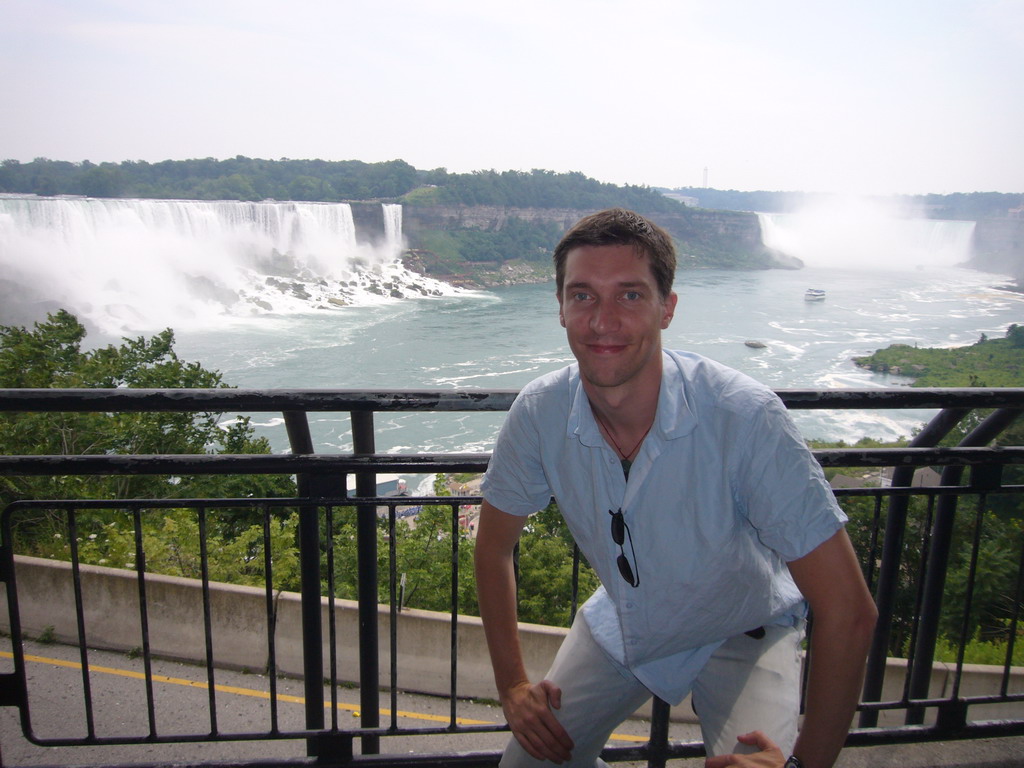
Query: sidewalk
[979, 753]
[243, 705]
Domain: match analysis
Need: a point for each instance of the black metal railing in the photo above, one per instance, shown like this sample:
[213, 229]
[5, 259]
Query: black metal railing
[904, 532]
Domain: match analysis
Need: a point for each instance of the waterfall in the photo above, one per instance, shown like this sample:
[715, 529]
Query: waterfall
[861, 234]
[128, 265]
[393, 226]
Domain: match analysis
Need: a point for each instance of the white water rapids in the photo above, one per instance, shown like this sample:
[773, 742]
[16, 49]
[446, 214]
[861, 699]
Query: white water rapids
[139, 265]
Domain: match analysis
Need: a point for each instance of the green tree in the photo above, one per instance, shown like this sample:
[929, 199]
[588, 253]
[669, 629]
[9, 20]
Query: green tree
[232, 187]
[865, 529]
[102, 181]
[997, 532]
[424, 557]
[52, 355]
[987, 362]
[546, 570]
[171, 541]
[310, 188]
[423, 551]
[994, 579]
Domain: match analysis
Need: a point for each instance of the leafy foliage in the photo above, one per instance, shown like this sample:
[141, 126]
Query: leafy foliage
[977, 651]
[244, 178]
[452, 248]
[992, 584]
[424, 560]
[427, 547]
[239, 178]
[545, 570]
[425, 551]
[538, 189]
[52, 355]
[171, 542]
[996, 529]
[988, 363]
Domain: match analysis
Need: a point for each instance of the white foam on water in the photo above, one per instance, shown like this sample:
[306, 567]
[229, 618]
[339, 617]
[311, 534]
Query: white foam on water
[138, 265]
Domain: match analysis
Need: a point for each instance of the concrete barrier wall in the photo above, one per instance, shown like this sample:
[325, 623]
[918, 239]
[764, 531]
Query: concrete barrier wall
[240, 635]
[240, 632]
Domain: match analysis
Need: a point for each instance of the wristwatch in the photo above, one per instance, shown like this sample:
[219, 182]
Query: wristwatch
[793, 762]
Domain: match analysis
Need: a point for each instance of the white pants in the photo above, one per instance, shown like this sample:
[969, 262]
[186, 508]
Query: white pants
[747, 685]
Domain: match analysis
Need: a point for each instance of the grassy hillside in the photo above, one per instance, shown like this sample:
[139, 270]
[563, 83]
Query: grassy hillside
[987, 363]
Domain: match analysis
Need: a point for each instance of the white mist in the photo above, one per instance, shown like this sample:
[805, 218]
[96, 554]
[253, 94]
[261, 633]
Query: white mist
[139, 265]
[864, 233]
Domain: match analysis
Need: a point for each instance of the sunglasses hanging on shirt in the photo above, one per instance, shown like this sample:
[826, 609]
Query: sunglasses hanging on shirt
[620, 533]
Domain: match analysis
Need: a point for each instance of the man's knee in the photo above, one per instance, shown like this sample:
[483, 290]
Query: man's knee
[751, 684]
[597, 695]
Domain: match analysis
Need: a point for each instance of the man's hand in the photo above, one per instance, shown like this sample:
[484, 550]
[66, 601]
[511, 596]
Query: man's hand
[528, 708]
[770, 755]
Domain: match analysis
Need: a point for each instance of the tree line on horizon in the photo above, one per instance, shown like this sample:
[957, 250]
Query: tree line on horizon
[253, 179]
[957, 206]
[250, 179]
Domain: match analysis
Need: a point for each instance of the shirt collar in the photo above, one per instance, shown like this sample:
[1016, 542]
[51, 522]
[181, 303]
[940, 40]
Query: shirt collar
[675, 418]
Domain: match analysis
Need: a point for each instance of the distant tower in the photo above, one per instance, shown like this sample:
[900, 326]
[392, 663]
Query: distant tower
[705, 177]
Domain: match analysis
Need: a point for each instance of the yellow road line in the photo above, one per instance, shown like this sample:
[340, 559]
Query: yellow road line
[284, 697]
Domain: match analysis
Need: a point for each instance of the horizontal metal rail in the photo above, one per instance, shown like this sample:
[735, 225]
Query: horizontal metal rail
[248, 464]
[320, 400]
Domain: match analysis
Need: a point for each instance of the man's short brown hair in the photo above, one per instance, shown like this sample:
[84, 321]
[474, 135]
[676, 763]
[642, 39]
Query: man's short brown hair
[617, 226]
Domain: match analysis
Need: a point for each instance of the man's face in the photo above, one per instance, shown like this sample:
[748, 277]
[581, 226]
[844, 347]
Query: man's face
[614, 315]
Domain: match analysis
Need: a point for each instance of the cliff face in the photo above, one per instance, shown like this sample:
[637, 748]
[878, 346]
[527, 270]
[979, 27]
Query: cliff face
[706, 239]
[732, 237]
[490, 218]
[369, 221]
[999, 246]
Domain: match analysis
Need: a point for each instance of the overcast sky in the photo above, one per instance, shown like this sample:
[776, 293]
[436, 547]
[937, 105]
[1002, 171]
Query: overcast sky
[865, 96]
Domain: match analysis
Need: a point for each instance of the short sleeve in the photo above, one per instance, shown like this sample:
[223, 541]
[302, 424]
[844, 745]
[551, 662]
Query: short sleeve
[515, 481]
[781, 487]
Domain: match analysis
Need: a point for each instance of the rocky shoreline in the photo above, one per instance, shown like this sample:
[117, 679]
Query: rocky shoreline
[480, 275]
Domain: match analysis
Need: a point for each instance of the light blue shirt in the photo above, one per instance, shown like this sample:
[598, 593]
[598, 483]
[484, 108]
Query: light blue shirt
[722, 494]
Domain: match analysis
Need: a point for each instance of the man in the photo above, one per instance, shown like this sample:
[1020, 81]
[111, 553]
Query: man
[708, 521]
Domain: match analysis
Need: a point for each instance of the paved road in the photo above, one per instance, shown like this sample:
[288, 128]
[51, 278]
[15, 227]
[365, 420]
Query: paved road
[243, 706]
[182, 707]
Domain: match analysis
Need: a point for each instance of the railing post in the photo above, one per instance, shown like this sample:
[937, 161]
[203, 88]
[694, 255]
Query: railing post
[311, 486]
[658, 745]
[936, 567]
[892, 556]
[919, 674]
[363, 444]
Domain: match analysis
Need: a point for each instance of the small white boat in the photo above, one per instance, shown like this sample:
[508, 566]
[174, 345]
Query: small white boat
[814, 294]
